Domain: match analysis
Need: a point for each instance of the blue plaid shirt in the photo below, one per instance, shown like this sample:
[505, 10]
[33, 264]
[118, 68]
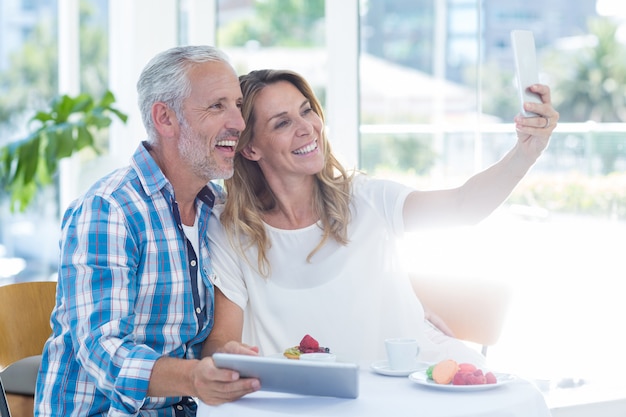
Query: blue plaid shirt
[126, 295]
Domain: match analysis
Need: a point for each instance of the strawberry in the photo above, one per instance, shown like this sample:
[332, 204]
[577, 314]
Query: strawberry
[490, 378]
[309, 345]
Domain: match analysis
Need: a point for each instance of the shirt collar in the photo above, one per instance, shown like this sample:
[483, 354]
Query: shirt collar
[153, 180]
[148, 171]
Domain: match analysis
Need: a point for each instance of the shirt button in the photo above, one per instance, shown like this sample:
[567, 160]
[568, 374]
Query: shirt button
[193, 262]
[179, 407]
[198, 310]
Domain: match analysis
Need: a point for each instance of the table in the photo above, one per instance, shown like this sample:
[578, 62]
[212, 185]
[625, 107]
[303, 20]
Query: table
[381, 395]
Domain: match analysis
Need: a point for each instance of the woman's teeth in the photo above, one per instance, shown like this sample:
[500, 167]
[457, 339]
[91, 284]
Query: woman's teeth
[309, 148]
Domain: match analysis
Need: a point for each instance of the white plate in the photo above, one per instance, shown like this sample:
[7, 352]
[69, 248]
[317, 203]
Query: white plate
[382, 367]
[318, 357]
[281, 356]
[421, 378]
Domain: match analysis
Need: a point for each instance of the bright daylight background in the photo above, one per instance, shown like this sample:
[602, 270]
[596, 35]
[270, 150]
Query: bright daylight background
[436, 98]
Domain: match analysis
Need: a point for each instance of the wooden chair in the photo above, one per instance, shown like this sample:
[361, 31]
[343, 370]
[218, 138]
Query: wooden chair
[25, 310]
[474, 309]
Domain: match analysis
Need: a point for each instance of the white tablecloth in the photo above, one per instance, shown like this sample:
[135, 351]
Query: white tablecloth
[386, 396]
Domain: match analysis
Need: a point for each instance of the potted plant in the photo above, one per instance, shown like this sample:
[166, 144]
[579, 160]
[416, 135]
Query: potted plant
[68, 126]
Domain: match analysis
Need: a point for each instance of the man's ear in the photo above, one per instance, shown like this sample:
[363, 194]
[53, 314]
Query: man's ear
[248, 152]
[164, 120]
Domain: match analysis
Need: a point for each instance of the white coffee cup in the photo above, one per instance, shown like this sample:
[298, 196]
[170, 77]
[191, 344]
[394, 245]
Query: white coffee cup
[402, 353]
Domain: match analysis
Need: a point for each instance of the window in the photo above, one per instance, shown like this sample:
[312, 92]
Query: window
[29, 79]
[267, 34]
[432, 115]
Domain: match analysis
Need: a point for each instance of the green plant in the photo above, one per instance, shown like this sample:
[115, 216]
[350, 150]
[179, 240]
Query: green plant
[67, 127]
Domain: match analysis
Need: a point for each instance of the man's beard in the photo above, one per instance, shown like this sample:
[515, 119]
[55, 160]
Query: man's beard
[196, 151]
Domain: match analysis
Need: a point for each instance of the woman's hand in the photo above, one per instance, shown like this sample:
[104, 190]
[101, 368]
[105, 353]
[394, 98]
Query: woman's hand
[480, 195]
[533, 133]
[239, 348]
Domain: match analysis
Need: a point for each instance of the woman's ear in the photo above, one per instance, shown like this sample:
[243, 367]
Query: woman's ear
[248, 152]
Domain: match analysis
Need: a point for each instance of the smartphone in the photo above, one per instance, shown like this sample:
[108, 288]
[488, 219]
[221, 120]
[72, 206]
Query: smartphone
[526, 70]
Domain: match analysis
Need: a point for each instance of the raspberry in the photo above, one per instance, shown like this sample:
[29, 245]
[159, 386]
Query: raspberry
[470, 375]
[460, 378]
[475, 379]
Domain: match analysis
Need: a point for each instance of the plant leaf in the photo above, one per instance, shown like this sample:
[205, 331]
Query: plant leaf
[65, 142]
[107, 99]
[42, 117]
[123, 117]
[82, 103]
[23, 195]
[62, 109]
[84, 137]
[28, 160]
[51, 150]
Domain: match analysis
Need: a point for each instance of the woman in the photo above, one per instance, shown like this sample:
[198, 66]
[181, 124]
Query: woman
[308, 248]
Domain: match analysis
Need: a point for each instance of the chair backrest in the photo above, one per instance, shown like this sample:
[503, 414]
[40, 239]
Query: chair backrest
[25, 310]
[474, 309]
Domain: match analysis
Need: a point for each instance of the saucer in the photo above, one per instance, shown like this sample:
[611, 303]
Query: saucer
[382, 367]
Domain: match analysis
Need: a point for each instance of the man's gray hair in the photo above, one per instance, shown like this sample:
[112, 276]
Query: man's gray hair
[165, 79]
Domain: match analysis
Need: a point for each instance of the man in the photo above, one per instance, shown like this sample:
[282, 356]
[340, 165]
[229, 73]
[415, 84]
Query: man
[134, 299]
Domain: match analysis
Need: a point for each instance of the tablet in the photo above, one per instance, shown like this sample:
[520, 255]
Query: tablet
[329, 379]
[526, 70]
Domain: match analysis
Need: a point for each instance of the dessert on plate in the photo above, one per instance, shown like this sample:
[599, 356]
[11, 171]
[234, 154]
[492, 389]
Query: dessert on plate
[449, 371]
[307, 345]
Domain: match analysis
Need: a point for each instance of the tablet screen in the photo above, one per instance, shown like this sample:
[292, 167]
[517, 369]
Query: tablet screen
[331, 379]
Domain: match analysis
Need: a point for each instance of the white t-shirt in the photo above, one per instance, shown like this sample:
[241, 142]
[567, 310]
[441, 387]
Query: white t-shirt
[350, 298]
[192, 234]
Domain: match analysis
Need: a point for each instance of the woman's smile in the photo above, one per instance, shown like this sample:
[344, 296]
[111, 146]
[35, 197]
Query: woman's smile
[310, 147]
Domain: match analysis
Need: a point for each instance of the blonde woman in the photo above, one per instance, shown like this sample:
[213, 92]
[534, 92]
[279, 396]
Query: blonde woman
[303, 246]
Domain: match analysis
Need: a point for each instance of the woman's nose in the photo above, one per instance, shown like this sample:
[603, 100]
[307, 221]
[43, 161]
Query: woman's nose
[304, 127]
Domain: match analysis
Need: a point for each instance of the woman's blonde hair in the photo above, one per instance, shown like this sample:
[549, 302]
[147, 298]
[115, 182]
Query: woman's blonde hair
[249, 194]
